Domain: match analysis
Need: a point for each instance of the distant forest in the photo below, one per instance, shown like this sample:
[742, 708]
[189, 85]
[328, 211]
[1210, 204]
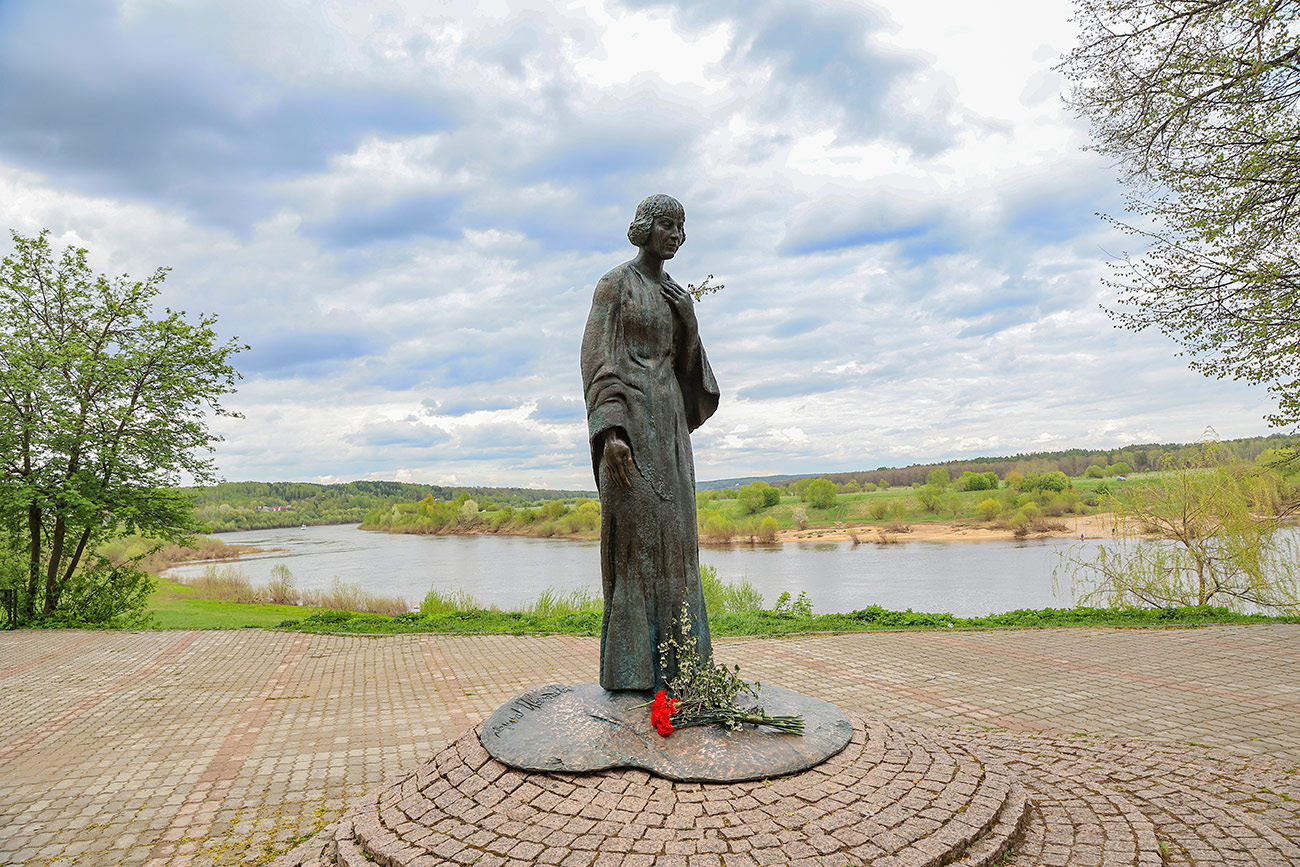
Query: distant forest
[265, 505]
[1072, 462]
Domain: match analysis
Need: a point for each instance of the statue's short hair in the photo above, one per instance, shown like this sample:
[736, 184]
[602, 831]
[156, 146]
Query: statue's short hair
[653, 206]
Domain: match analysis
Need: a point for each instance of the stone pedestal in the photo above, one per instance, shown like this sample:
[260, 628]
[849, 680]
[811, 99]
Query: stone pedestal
[586, 728]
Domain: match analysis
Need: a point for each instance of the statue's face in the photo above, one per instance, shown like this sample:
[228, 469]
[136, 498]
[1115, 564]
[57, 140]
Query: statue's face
[666, 233]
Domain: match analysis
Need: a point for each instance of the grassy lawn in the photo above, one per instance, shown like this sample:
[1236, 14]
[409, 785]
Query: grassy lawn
[174, 606]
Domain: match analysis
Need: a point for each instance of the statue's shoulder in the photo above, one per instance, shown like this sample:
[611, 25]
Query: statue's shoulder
[609, 286]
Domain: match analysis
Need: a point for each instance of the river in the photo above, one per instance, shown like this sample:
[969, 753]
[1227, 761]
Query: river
[963, 578]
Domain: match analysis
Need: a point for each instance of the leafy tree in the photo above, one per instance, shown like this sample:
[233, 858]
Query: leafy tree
[1053, 481]
[1214, 540]
[771, 497]
[1014, 480]
[101, 413]
[930, 497]
[750, 499]
[969, 481]
[938, 477]
[821, 493]
[988, 509]
[1197, 101]
[1094, 472]
[1119, 468]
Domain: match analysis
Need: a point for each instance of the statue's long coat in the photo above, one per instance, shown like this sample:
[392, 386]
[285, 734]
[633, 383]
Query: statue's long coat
[639, 377]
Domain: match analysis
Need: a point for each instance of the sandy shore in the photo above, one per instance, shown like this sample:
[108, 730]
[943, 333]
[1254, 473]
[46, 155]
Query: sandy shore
[1076, 527]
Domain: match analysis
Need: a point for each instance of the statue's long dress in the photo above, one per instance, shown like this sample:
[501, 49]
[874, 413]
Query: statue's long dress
[639, 377]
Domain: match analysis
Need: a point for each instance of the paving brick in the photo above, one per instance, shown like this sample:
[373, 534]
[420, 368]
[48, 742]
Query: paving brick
[211, 747]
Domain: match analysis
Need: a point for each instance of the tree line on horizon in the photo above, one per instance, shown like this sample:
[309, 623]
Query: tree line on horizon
[1075, 462]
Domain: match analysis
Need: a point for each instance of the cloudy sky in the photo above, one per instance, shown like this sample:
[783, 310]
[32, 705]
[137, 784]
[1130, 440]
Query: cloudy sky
[403, 208]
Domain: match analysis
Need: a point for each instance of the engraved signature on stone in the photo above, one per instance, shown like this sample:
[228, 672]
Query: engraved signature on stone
[530, 702]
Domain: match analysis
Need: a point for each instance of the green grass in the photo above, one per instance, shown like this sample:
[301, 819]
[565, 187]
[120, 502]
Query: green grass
[174, 606]
[736, 610]
[200, 614]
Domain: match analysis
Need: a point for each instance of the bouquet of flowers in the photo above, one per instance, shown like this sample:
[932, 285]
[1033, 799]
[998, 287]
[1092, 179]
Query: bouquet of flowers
[705, 693]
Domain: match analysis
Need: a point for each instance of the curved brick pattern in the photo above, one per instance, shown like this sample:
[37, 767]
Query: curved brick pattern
[1148, 804]
[894, 796]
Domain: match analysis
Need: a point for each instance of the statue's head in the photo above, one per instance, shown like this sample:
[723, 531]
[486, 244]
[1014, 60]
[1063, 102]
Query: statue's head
[653, 206]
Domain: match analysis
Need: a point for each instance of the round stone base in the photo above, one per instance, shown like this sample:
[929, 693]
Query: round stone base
[587, 728]
[894, 795]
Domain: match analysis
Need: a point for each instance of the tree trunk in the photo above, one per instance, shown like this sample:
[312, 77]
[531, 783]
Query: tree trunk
[76, 556]
[34, 566]
[53, 586]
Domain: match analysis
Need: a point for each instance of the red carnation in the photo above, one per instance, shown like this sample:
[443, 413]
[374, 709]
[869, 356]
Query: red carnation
[661, 713]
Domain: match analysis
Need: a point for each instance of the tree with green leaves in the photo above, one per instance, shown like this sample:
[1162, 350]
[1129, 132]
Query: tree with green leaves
[1198, 101]
[822, 493]
[1203, 532]
[102, 415]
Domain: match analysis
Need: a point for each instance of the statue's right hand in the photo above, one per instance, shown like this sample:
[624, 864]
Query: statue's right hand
[618, 459]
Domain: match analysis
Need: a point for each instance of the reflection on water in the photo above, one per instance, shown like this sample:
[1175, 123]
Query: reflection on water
[964, 578]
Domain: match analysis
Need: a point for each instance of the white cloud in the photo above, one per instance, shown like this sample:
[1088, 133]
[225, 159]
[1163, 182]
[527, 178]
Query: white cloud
[403, 208]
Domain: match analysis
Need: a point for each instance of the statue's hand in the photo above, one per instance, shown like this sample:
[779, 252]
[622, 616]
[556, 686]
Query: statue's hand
[618, 459]
[684, 306]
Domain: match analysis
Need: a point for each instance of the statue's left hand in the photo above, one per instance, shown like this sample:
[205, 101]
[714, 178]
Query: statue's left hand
[684, 306]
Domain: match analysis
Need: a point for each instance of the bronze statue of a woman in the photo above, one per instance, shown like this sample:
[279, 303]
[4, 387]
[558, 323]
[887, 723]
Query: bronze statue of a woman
[648, 385]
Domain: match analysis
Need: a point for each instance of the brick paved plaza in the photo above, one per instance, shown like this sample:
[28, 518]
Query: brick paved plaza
[227, 747]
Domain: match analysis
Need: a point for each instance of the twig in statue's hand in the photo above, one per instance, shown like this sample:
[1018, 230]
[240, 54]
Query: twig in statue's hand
[698, 292]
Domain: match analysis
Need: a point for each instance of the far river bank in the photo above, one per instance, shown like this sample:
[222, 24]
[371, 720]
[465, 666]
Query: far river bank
[1099, 526]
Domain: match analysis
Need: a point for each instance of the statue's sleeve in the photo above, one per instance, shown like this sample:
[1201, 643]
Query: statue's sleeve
[602, 355]
[699, 389]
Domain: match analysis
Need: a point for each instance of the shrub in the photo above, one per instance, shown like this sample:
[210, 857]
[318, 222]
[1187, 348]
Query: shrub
[771, 497]
[281, 590]
[1053, 481]
[468, 516]
[448, 601]
[786, 607]
[1094, 472]
[728, 597]
[930, 497]
[346, 596]
[553, 603]
[821, 494]
[768, 529]
[878, 509]
[226, 584]
[800, 517]
[554, 509]
[750, 499]
[104, 594]
[938, 477]
[1014, 480]
[718, 528]
[988, 509]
